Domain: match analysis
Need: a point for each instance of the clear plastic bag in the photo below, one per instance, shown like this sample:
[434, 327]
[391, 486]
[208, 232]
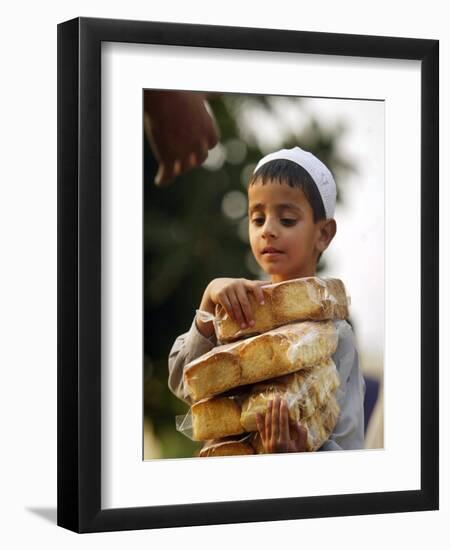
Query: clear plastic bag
[304, 392]
[319, 427]
[211, 418]
[307, 298]
[277, 352]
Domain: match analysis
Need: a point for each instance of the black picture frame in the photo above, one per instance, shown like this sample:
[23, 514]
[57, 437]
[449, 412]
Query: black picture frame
[79, 274]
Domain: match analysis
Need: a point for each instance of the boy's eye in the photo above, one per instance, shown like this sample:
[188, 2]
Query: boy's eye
[288, 222]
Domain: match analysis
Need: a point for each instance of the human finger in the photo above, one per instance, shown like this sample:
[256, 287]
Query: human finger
[224, 301]
[260, 425]
[202, 151]
[176, 170]
[196, 157]
[164, 174]
[276, 419]
[238, 314]
[188, 162]
[284, 421]
[192, 159]
[241, 293]
[160, 175]
[269, 420]
[256, 288]
[200, 157]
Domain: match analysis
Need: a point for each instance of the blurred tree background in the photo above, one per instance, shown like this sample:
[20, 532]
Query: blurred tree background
[196, 230]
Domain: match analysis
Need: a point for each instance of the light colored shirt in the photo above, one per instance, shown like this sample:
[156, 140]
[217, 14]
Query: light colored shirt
[349, 430]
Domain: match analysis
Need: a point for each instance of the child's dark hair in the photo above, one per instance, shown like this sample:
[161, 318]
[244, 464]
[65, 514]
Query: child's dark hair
[286, 171]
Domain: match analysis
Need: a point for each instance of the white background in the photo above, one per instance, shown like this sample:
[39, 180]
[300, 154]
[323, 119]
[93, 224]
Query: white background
[28, 272]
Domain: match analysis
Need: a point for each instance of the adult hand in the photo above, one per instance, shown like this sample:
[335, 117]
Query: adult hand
[180, 131]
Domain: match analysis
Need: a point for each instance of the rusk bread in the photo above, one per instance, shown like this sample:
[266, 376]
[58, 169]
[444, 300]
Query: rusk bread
[215, 418]
[304, 391]
[227, 448]
[277, 352]
[308, 298]
[321, 424]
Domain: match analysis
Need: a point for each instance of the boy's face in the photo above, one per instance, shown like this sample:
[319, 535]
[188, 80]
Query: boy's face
[283, 236]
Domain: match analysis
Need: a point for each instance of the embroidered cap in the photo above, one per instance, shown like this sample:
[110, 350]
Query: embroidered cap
[319, 173]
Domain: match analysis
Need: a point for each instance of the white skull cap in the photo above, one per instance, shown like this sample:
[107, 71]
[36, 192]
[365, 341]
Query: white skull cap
[320, 174]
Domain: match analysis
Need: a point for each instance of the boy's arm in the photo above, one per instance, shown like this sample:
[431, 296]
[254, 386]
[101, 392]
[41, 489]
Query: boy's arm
[201, 338]
[349, 430]
[186, 348]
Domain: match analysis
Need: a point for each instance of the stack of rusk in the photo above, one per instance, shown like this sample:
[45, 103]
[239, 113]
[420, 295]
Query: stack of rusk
[286, 353]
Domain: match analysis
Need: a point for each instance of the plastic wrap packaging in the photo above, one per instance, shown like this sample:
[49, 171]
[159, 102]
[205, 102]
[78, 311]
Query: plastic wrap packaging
[319, 427]
[308, 298]
[228, 447]
[280, 351]
[304, 392]
[211, 418]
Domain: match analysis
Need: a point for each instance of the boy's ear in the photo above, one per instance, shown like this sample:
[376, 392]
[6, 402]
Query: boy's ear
[327, 231]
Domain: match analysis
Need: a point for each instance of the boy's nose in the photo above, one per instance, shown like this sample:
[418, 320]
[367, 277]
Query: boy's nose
[269, 231]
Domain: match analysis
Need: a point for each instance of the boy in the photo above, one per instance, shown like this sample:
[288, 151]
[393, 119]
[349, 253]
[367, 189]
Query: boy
[291, 196]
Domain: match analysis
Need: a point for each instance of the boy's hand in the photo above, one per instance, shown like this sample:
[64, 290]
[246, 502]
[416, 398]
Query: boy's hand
[277, 435]
[232, 295]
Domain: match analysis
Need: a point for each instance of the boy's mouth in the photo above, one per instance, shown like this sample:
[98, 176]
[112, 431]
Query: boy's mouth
[271, 250]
